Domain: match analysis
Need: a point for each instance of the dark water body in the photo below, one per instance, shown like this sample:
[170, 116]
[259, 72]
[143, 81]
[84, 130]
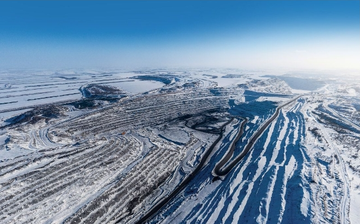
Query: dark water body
[164, 79]
[300, 83]
[252, 95]
[252, 109]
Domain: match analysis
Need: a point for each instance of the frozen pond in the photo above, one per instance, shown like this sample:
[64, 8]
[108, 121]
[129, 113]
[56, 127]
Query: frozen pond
[137, 86]
[21, 90]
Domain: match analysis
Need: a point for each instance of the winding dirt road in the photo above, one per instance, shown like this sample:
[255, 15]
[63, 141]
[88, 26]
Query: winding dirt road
[185, 182]
[219, 170]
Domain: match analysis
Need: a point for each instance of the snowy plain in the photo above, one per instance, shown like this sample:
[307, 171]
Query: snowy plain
[114, 159]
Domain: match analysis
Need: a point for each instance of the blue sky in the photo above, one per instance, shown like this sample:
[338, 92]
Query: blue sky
[244, 34]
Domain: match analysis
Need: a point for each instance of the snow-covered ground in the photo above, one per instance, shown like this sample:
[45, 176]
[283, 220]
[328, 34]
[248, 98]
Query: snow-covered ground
[70, 158]
[27, 89]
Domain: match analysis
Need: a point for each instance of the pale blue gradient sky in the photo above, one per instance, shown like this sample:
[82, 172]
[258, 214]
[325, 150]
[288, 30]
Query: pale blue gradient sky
[244, 34]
